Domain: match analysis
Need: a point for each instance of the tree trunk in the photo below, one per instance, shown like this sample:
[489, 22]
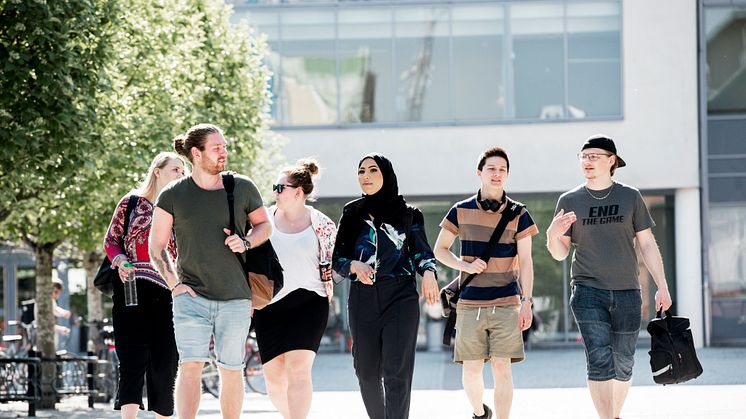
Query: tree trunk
[91, 263]
[45, 321]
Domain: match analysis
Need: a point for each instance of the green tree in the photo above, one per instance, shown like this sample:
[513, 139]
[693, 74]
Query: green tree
[51, 76]
[178, 63]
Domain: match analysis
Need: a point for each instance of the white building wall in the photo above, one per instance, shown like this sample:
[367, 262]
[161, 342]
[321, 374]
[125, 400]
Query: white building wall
[657, 136]
[689, 292]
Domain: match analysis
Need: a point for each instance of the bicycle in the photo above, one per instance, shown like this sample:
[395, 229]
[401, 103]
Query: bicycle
[252, 373]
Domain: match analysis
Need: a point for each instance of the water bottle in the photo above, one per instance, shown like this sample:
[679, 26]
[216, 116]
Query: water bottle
[130, 287]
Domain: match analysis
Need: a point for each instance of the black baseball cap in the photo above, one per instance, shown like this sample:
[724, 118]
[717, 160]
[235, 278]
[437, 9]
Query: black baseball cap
[604, 143]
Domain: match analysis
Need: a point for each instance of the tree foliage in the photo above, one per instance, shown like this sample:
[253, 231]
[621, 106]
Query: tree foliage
[92, 90]
[178, 63]
[51, 77]
[51, 66]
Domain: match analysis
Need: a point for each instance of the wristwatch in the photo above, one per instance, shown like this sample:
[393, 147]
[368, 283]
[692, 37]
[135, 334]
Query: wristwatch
[529, 299]
[246, 244]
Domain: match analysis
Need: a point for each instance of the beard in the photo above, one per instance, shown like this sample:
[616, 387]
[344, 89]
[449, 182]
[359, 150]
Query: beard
[213, 167]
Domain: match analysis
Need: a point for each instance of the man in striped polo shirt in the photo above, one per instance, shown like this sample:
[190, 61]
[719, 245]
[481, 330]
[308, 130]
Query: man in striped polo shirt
[496, 305]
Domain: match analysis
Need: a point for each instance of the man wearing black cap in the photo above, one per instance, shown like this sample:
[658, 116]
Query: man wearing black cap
[601, 219]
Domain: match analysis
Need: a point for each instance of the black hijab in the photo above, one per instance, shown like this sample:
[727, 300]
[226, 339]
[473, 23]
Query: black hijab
[386, 205]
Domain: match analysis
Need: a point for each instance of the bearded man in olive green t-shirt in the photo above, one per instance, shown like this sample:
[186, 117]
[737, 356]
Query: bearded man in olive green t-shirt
[211, 297]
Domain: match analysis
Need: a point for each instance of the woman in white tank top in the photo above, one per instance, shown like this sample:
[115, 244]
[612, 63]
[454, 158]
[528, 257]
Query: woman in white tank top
[290, 328]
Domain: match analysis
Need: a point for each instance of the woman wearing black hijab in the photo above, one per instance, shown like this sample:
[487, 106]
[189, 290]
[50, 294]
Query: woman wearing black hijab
[381, 245]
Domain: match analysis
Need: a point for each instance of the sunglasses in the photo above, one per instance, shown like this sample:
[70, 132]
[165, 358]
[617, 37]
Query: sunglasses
[281, 187]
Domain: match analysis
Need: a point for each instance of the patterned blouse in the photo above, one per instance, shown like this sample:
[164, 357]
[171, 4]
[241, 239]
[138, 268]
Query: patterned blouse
[135, 245]
[384, 249]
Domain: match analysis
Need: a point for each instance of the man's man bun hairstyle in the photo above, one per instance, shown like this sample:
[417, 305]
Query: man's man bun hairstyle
[179, 146]
[195, 136]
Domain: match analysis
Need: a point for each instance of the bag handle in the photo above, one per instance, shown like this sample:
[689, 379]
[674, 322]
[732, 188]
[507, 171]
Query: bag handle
[660, 313]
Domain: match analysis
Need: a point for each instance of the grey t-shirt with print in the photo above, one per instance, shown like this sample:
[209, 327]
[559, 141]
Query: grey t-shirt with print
[603, 235]
[205, 263]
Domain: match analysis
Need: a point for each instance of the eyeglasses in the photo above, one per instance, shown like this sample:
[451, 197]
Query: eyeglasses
[281, 187]
[591, 156]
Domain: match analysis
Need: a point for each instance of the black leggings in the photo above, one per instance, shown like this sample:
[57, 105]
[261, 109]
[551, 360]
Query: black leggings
[383, 322]
[145, 344]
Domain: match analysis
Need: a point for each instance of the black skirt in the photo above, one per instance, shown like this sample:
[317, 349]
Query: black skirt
[295, 322]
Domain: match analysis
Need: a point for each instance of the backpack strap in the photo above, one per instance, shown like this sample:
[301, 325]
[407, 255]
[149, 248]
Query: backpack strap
[131, 204]
[229, 183]
[511, 211]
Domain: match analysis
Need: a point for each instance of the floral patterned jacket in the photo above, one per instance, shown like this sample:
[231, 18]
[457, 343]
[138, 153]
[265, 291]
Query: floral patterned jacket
[384, 248]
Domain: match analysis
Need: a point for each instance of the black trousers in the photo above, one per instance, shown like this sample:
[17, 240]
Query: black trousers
[146, 348]
[384, 318]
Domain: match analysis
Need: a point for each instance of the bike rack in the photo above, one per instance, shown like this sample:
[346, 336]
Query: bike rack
[20, 381]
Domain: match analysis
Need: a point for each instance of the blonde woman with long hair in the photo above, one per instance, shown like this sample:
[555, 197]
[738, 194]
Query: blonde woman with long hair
[144, 333]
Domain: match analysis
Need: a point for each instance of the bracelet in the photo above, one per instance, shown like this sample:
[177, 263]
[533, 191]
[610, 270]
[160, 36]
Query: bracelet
[529, 299]
[175, 285]
[117, 258]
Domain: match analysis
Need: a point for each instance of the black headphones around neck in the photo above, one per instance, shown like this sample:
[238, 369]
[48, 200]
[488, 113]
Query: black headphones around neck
[490, 204]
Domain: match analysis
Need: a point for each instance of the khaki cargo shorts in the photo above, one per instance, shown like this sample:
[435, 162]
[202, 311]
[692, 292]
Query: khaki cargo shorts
[487, 332]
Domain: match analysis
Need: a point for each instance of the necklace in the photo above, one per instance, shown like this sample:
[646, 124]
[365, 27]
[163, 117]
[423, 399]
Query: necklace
[603, 197]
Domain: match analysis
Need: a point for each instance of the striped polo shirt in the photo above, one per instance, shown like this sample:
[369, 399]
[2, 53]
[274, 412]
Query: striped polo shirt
[498, 284]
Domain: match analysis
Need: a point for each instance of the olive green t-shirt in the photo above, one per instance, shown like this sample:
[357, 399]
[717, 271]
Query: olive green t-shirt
[205, 263]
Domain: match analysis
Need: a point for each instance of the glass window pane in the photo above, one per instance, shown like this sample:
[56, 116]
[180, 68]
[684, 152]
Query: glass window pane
[308, 84]
[594, 65]
[727, 189]
[26, 280]
[593, 89]
[267, 24]
[538, 64]
[263, 22]
[593, 30]
[728, 271]
[726, 60]
[478, 76]
[422, 64]
[366, 65]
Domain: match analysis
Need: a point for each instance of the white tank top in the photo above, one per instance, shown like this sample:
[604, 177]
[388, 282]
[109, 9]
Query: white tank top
[299, 257]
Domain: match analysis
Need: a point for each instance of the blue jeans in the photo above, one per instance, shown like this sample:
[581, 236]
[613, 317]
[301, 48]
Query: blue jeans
[196, 319]
[609, 321]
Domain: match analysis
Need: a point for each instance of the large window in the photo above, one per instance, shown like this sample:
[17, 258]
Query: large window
[724, 33]
[360, 63]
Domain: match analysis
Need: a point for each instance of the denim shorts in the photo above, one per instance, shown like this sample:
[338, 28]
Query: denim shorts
[609, 322]
[196, 319]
